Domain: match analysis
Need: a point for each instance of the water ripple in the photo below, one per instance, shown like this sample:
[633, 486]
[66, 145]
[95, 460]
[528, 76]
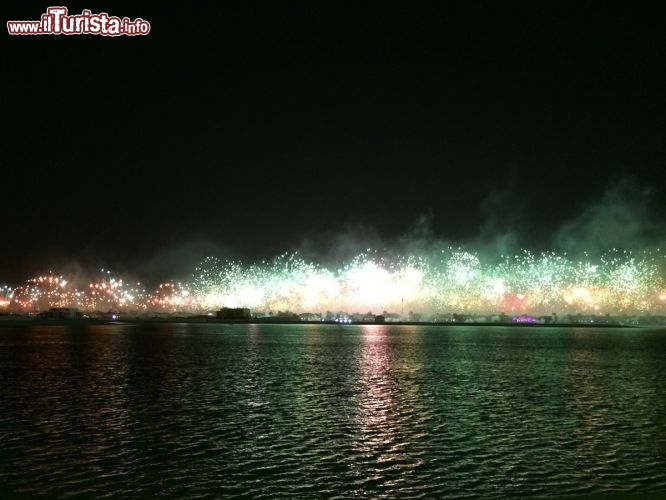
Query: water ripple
[209, 411]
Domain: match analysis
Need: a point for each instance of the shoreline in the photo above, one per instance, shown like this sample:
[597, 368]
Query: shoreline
[26, 321]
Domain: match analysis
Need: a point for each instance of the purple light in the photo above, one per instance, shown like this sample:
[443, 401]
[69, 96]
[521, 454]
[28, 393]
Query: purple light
[525, 319]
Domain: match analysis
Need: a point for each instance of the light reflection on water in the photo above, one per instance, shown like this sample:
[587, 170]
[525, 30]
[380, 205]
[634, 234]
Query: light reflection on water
[292, 411]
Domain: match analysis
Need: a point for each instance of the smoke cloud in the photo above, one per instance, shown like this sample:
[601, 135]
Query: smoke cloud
[621, 219]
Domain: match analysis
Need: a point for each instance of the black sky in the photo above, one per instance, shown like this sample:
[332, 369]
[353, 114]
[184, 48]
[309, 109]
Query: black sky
[254, 125]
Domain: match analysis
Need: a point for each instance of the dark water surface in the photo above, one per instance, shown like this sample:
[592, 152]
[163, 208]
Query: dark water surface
[204, 410]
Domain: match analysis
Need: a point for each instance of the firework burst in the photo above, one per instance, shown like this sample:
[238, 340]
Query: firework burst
[445, 281]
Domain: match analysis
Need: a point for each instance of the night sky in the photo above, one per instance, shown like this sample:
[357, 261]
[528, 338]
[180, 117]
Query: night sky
[257, 127]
